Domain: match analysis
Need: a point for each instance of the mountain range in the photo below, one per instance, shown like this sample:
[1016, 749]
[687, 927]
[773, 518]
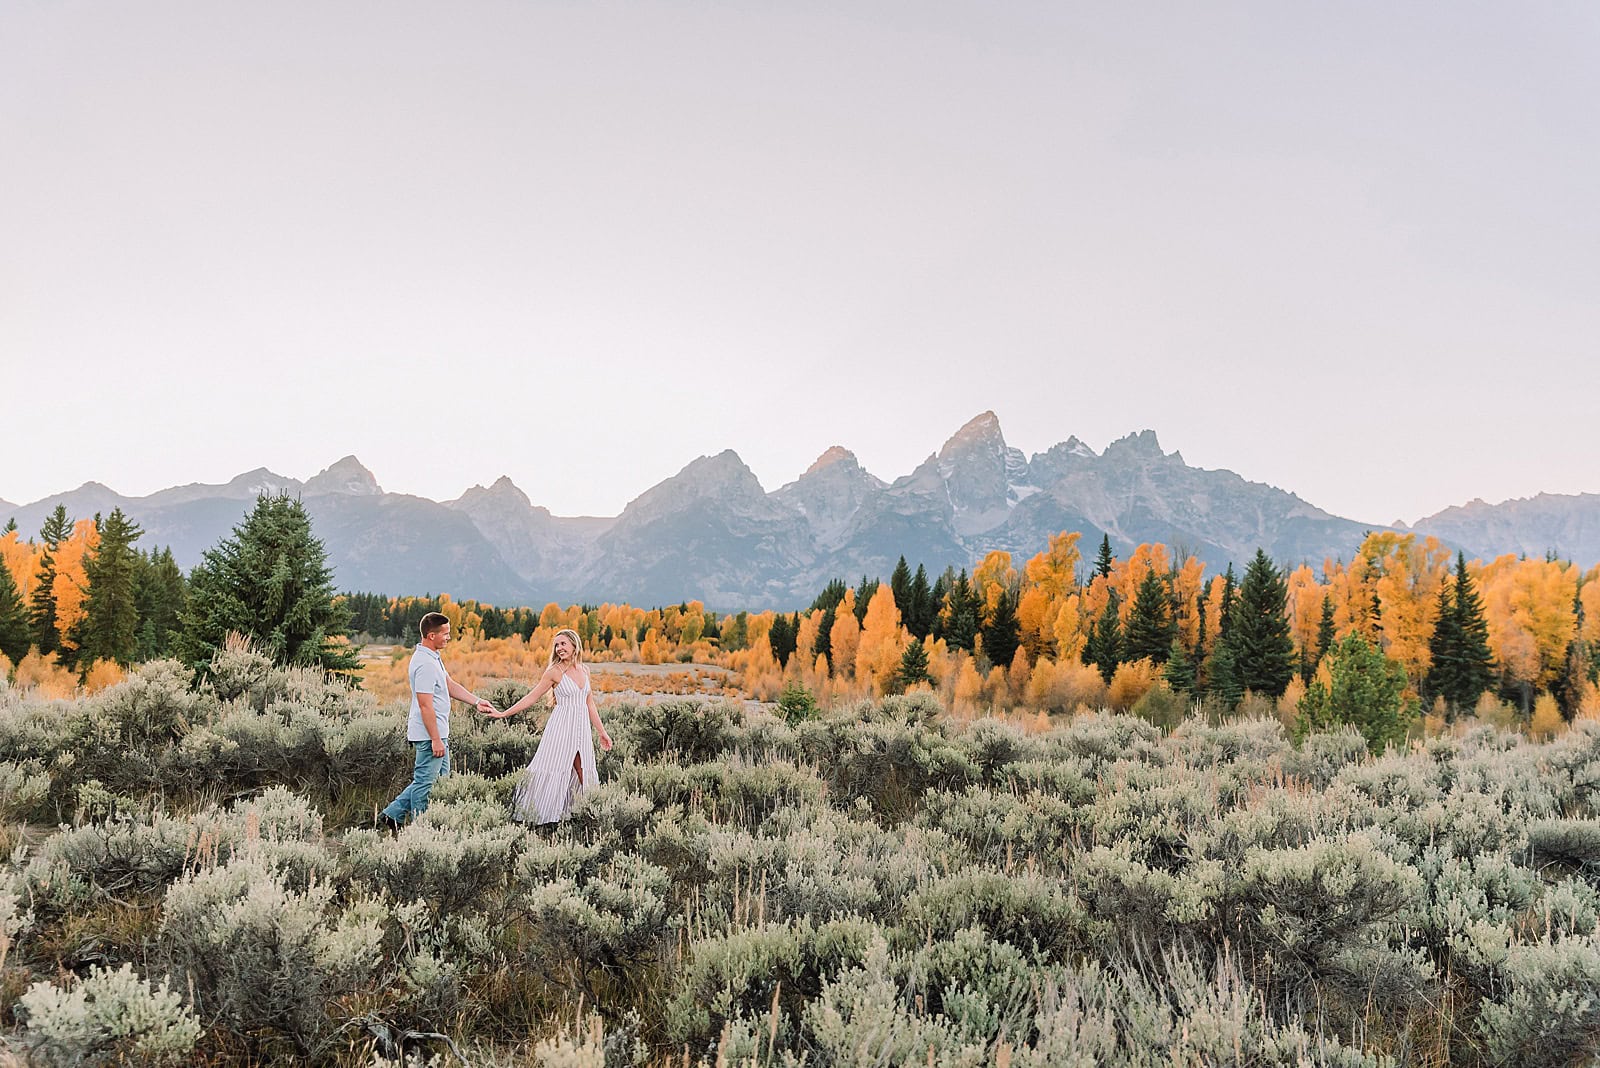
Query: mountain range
[713, 533]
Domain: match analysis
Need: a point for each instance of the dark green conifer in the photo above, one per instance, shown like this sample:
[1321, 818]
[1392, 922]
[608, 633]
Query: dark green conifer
[42, 602]
[15, 637]
[1179, 671]
[920, 621]
[900, 586]
[1151, 626]
[110, 629]
[1105, 559]
[1104, 646]
[270, 582]
[1002, 633]
[1261, 652]
[913, 665]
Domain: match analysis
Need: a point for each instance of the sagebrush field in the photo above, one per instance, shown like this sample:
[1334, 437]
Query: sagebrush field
[193, 877]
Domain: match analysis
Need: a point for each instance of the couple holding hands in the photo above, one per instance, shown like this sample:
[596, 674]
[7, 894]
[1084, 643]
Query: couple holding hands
[562, 768]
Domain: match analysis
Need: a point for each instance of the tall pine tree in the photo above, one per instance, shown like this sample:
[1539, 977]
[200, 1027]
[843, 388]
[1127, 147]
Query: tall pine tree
[1104, 560]
[900, 586]
[15, 637]
[1103, 648]
[1259, 650]
[920, 620]
[111, 613]
[270, 582]
[42, 604]
[1002, 633]
[1151, 626]
[1462, 666]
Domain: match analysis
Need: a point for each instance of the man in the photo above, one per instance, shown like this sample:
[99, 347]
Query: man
[428, 729]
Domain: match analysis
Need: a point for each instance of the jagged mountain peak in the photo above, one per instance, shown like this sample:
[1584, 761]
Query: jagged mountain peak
[502, 490]
[347, 476]
[982, 431]
[835, 454]
[1142, 445]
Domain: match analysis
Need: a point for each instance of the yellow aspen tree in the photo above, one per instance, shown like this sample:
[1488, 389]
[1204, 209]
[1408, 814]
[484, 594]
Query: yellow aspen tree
[993, 577]
[1188, 585]
[1055, 571]
[844, 638]
[882, 642]
[1131, 682]
[71, 587]
[21, 558]
[1069, 630]
[1409, 574]
[1304, 608]
[1589, 597]
[969, 687]
[805, 640]
[1528, 606]
[1213, 600]
[941, 665]
[996, 690]
[1547, 721]
[1036, 613]
[1018, 673]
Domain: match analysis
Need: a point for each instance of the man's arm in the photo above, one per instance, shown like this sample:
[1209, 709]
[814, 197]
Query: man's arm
[430, 723]
[466, 696]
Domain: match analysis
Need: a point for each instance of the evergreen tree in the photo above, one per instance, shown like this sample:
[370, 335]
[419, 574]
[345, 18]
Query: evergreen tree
[900, 586]
[961, 609]
[1199, 653]
[111, 611]
[1366, 689]
[831, 595]
[1179, 671]
[864, 594]
[913, 665]
[1261, 652]
[1325, 630]
[1230, 589]
[783, 637]
[1002, 633]
[42, 604]
[1151, 627]
[15, 636]
[1462, 666]
[830, 615]
[1103, 561]
[270, 582]
[1103, 648]
[11, 527]
[920, 621]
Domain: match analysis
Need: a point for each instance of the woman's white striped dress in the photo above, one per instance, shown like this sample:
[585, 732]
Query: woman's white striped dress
[550, 787]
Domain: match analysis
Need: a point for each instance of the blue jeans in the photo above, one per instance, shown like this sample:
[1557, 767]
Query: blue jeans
[413, 800]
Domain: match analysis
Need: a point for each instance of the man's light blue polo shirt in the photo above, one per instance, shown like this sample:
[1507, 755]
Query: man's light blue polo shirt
[428, 676]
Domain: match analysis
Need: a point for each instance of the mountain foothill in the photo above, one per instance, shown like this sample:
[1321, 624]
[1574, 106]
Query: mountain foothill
[713, 533]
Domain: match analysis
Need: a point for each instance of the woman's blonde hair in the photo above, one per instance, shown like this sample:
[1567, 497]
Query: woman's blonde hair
[577, 646]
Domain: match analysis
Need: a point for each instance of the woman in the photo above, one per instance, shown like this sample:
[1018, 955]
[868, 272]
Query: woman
[563, 766]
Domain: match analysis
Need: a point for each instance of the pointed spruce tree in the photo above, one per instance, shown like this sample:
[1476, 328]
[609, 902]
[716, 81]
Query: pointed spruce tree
[1002, 633]
[42, 603]
[920, 620]
[962, 608]
[1260, 652]
[15, 635]
[900, 586]
[111, 611]
[913, 665]
[1104, 560]
[1462, 665]
[270, 582]
[1104, 646]
[1151, 627]
[1179, 671]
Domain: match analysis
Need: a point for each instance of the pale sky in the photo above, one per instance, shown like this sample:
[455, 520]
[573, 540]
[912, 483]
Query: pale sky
[1349, 249]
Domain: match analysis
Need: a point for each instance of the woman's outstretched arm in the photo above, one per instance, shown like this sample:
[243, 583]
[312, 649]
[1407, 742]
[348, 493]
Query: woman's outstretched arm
[551, 676]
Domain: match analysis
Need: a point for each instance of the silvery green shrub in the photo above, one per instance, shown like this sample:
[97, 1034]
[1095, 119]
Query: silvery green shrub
[738, 973]
[1031, 911]
[109, 1016]
[612, 923]
[455, 869]
[1547, 1007]
[24, 790]
[261, 956]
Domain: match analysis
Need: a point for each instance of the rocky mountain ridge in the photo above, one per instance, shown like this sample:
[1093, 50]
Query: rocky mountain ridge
[712, 532]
